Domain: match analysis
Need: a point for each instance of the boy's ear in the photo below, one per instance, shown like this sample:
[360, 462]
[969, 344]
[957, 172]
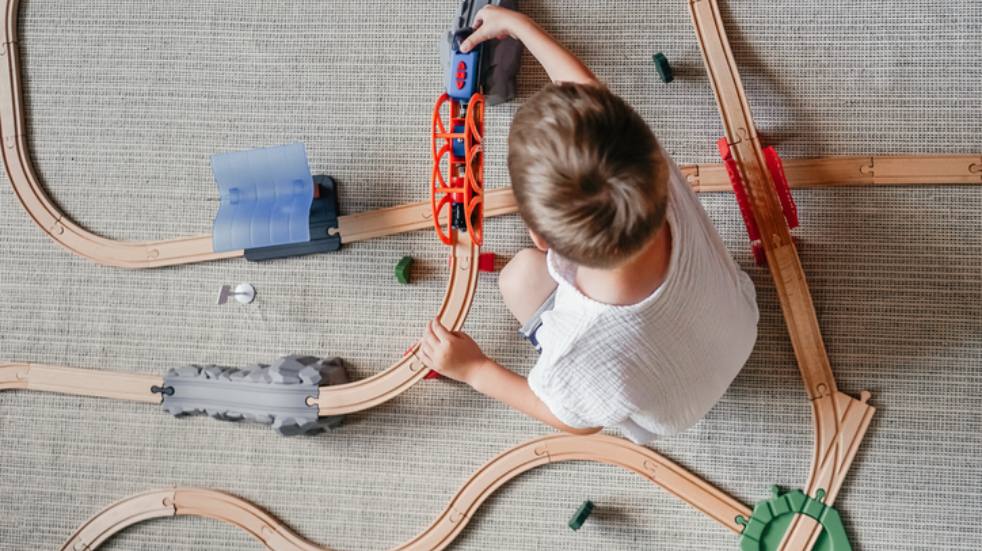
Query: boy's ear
[539, 242]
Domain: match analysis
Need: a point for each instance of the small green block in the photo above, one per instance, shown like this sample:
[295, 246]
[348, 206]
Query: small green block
[402, 269]
[663, 67]
[581, 515]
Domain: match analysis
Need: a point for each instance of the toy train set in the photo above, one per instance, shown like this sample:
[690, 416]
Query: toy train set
[301, 395]
[457, 182]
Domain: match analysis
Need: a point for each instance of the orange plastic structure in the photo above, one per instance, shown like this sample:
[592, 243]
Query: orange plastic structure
[840, 420]
[455, 178]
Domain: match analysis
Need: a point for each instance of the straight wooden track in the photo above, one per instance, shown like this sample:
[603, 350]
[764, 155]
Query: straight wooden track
[840, 420]
[844, 171]
[80, 382]
[331, 400]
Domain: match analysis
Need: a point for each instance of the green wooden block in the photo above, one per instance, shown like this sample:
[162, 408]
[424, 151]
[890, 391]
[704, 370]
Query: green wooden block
[402, 269]
[581, 515]
[663, 67]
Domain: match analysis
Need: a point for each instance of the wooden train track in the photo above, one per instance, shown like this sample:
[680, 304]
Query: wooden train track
[331, 400]
[835, 171]
[842, 171]
[840, 421]
[448, 524]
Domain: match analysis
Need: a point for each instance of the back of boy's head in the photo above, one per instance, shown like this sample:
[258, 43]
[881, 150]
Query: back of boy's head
[588, 174]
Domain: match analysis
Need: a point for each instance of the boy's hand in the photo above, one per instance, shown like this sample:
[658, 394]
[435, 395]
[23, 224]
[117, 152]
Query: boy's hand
[492, 22]
[497, 22]
[452, 354]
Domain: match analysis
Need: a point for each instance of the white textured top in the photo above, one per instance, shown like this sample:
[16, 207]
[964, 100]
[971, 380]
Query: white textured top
[657, 367]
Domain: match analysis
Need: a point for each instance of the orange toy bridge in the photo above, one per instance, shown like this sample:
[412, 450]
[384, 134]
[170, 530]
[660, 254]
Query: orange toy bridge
[458, 157]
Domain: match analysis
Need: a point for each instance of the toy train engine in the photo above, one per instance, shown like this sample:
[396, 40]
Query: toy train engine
[482, 76]
[457, 182]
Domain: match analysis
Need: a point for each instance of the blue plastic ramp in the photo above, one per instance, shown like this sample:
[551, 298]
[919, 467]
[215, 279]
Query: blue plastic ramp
[265, 197]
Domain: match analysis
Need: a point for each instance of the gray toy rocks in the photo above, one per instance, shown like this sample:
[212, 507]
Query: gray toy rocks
[272, 394]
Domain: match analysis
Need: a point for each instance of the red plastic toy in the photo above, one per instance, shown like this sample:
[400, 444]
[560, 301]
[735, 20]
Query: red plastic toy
[776, 168]
[485, 262]
[738, 190]
[432, 375]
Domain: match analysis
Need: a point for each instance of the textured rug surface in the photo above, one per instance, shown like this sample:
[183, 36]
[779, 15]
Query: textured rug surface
[127, 101]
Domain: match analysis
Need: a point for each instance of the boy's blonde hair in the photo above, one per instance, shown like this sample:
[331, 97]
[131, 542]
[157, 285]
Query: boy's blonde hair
[587, 173]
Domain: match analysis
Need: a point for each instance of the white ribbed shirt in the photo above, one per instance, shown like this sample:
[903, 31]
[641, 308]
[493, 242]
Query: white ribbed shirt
[657, 367]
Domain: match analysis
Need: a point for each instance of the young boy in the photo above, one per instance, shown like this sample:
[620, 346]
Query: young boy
[641, 316]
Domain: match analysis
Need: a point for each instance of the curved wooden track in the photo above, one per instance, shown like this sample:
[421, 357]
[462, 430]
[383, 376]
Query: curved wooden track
[840, 421]
[448, 525]
[332, 400]
[370, 392]
[45, 213]
[948, 169]
[837, 171]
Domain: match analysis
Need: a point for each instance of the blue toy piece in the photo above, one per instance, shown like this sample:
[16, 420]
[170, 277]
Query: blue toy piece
[324, 235]
[266, 196]
[458, 144]
[462, 81]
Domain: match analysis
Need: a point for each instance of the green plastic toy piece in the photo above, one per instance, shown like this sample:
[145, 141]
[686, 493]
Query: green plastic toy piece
[402, 269]
[771, 519]
[663, 67]
[581, 514]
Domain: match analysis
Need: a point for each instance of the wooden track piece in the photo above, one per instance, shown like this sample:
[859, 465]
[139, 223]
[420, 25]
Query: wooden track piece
[765, 204]
[709, 178]
[79, 382]
[197, 502]
[332, 400]
[408, 370]
[846, 171]
[840, 420]
[46, 215]
[448, 525]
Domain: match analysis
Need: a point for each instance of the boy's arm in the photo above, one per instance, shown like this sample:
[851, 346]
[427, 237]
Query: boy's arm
[560, 64]
[456, 355]
[502, 384]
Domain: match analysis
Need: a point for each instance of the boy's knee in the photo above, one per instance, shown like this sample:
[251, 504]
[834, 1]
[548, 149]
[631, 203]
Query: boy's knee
[515, 275]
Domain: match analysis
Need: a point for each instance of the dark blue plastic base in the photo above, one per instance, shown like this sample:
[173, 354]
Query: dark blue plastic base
[323, 219]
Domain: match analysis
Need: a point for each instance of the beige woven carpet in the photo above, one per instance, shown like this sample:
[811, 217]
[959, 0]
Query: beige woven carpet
[128, 100]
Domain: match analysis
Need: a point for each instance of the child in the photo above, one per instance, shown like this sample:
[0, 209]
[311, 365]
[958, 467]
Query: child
[641, 316]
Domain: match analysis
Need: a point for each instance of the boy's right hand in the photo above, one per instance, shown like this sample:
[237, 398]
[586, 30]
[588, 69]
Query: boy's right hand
[492, 22]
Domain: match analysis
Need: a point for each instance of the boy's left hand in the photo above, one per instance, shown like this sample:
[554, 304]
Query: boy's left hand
[451, 353]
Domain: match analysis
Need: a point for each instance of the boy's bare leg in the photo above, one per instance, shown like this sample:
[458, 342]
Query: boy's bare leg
[525, 283]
